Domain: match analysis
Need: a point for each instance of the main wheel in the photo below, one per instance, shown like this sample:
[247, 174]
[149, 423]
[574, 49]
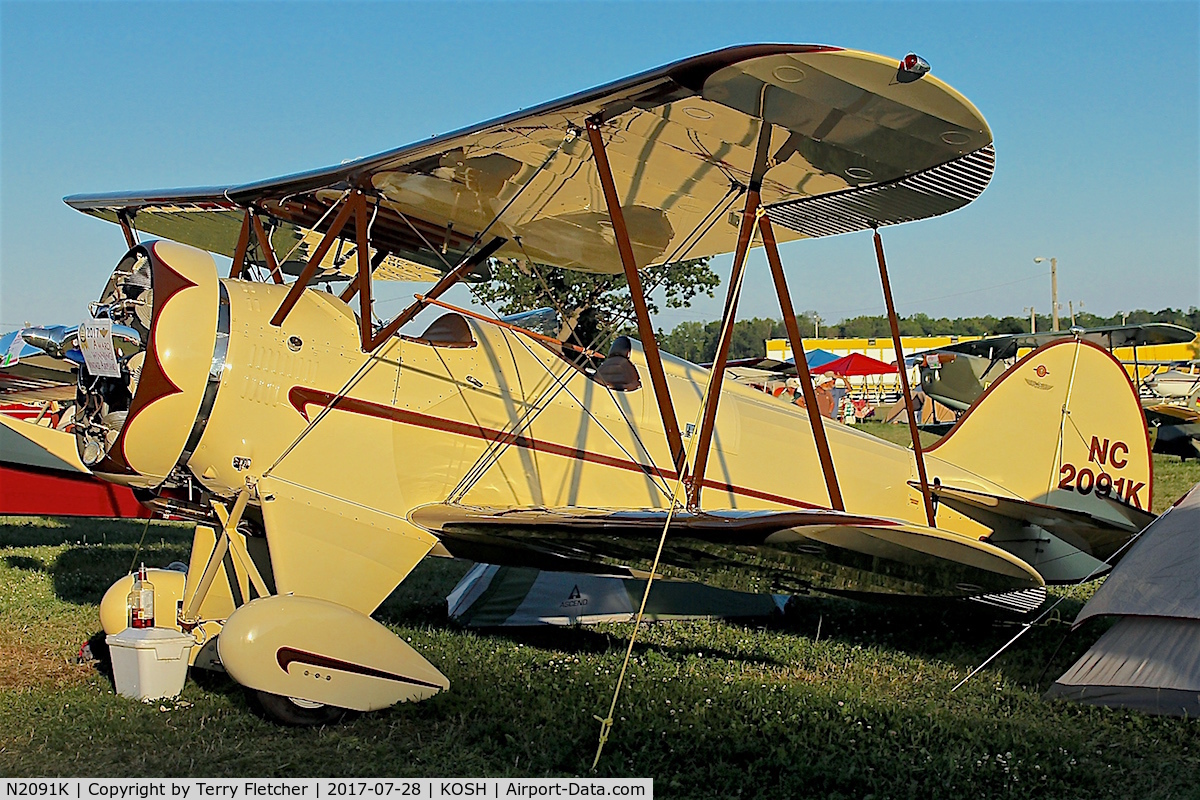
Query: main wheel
[297, 712]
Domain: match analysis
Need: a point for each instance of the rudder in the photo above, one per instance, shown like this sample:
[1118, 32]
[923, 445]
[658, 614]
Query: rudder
[1062, 427]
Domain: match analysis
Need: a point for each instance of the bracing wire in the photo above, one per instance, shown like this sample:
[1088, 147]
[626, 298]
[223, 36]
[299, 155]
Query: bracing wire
[500, 444]
[371, 359]
[1063, 418]
[558, 383]
[537, 273]
[497, 447]
[270, 232]
[316, 225]
[1029, 625]
[138, 549]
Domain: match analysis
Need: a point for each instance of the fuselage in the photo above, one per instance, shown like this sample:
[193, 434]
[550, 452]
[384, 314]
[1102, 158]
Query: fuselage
[506, 421]
[337, 449]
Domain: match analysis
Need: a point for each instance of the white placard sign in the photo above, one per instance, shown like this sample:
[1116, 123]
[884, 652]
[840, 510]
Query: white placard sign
[14, 352]
[95, 342]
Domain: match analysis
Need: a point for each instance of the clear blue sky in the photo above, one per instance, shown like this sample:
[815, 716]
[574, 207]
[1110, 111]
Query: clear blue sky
[1094, 107]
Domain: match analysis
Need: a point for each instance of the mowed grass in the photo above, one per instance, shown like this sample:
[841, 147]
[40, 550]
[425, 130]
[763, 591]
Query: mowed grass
[711, 709]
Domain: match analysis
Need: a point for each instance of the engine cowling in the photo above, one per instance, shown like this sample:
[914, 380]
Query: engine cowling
[135, 429]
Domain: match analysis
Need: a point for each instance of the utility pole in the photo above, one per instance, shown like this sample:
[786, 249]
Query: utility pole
[1053, 290]
[1071, 305]
[816, 326]
[1032, 319]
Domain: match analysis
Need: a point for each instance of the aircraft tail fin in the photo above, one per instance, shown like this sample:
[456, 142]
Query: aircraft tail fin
[1062, 428]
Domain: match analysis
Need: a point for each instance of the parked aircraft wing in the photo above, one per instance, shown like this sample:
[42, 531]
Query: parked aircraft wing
[1111, 337]
[1168, 413]
[761, 550]
[28, 374]
[855, 142]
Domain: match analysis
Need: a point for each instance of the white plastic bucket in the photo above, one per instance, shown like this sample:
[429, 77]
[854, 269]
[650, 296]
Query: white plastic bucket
[149, 663]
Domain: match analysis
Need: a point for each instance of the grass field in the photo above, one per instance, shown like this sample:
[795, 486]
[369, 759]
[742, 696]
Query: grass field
[711, 709]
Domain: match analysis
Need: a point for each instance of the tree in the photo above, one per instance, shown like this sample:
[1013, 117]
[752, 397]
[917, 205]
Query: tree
[697, 341]
[694, 341]
[750, 337]
[593, 307]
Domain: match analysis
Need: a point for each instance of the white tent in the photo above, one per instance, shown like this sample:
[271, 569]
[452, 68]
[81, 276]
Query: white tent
[1150, 659]
[490, 596]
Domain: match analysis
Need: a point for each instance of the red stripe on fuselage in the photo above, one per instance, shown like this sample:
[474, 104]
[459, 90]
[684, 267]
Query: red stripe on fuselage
[302, 397]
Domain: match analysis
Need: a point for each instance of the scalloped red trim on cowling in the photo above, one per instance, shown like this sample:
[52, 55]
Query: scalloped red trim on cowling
[154, 383]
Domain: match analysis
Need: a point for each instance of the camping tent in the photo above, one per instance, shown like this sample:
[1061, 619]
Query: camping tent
[857, 364]
[1150, 659]
[489, 596]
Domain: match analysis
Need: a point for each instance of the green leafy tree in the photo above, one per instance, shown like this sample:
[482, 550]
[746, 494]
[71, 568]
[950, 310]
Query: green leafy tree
[697, 341]
[750, 336]
[593, 307]
[694, 341]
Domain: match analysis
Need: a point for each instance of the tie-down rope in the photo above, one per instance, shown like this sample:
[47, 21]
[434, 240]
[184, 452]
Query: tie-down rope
[606, 723]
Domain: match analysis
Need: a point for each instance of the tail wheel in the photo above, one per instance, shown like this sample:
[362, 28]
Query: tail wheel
[296, 712]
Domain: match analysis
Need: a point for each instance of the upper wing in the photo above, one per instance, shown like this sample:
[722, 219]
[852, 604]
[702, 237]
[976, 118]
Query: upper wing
[1165, 413]
[854, 144]
[752, 550]
[207, 218]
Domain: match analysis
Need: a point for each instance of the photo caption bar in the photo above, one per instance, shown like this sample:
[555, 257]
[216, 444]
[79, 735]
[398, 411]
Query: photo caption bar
[318, 788]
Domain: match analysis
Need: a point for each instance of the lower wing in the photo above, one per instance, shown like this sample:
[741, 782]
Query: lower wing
[763, 551]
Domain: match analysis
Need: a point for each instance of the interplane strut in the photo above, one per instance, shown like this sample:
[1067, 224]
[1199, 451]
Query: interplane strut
[658, 377]
[124, 218]
[904, 387]
[238, 265]
[264, 244]
[745, 234]
[351, 204]
[815, 419]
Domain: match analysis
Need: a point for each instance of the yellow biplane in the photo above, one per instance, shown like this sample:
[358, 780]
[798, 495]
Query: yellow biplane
[324, 453]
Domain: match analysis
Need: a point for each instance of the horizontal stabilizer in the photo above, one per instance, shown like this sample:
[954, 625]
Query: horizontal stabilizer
[1064, 545]
[1093, 534]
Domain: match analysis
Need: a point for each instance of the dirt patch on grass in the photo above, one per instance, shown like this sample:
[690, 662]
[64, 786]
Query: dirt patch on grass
[27, 667]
